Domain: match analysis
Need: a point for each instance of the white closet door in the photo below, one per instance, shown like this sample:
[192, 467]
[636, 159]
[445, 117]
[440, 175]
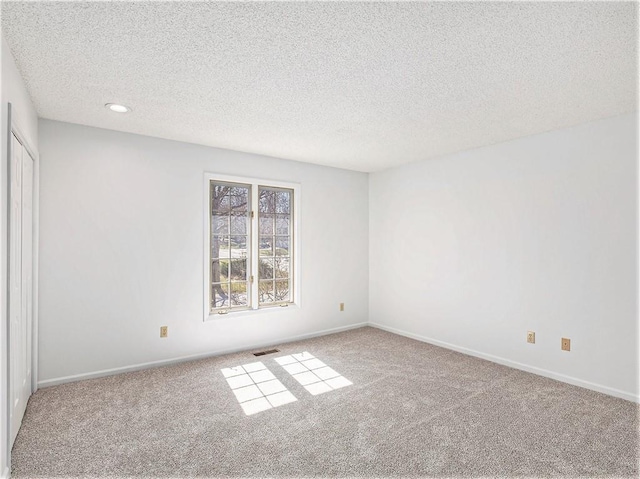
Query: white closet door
[20, 281]
[27, 270]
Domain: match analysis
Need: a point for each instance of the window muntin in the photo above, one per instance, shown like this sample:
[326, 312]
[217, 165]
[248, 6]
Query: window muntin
[230, 246]
[275, 217]
[250, 244]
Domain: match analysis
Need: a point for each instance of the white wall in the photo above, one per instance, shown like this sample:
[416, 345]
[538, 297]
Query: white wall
[121, 228]
[25, 118]
[474, 249]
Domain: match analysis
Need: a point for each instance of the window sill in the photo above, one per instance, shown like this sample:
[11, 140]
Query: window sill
[252, 312]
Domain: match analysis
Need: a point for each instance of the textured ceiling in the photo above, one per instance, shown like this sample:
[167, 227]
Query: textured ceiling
[362, 86]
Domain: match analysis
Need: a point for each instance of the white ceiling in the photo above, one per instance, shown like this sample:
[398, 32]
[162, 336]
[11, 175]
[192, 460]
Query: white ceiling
[363, 86]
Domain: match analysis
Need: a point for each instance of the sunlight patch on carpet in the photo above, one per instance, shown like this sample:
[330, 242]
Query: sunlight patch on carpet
[313, 374]
[256, 388]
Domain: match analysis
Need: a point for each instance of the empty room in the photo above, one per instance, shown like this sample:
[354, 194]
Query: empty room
[319, 239]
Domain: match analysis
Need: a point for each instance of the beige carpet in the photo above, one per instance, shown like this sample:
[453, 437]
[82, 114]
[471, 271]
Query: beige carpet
[412, 410]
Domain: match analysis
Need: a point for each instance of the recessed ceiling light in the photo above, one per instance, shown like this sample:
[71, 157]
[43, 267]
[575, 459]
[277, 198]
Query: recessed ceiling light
[118, 108]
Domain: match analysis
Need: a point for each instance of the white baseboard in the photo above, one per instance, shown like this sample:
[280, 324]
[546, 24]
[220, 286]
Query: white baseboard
[5, 473]
[167, 362]
[513, 364]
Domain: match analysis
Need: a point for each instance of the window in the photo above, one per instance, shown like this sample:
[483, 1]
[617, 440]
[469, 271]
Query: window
[250, 244]
[230, 227]
[274, 271]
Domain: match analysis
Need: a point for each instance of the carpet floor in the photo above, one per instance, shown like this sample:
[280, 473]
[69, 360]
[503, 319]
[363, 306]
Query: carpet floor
[363, 403]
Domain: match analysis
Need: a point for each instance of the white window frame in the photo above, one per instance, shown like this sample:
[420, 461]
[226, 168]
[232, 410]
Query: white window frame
[254, 184]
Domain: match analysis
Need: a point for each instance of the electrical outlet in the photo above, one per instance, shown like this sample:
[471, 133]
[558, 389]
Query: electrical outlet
[164, 331]
[341, 306]
[566, 344]
[531, 337]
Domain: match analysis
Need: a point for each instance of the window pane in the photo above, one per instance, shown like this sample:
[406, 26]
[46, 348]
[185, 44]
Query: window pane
[239, 223]
[238, 269]
[219, 223]
[282, 290]
[219, 295]
[220, 247]
[215, 246]
[283, 202]
[217, 273]
[265, 270]
[266, 224]
[266, 292]
[281, 267]
[238, 246]
[282, 246]
[267, 201]
[223, 275]
[282, 225]
[220, 198]
[266, 246]
[239, 199]
[239, 295]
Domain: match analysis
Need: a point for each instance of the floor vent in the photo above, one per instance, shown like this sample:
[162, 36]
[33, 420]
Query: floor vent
[270, 351]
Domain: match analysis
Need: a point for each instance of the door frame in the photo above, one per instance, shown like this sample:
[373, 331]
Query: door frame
[13, 127]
